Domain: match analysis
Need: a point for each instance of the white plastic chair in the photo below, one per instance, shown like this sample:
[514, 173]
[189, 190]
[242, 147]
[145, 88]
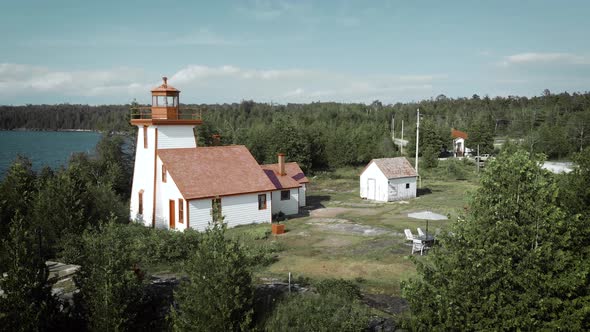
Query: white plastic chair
[418, 245]
[409, 235]
[420, 232]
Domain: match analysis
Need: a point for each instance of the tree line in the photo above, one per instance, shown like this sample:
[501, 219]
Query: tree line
[326, 135]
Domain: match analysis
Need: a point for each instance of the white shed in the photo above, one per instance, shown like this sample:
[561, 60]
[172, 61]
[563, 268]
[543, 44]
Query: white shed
[388, 179]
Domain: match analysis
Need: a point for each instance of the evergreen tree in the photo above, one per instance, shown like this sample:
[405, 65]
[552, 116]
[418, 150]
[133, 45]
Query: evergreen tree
[509, 264]
[110, 290]
[27, 303]
[218, 294]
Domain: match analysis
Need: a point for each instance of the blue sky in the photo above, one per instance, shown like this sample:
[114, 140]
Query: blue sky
[103, 52]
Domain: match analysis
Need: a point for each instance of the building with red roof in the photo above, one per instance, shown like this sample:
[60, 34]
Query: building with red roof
[177, 185]
[459, 138]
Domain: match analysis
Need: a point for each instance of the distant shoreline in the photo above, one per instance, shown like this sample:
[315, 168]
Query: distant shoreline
[45, 129]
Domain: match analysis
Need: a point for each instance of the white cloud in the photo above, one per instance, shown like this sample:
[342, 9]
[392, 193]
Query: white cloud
[19, 79]
[209, 84]
[545, 58]
[198, 72]
[265, 10]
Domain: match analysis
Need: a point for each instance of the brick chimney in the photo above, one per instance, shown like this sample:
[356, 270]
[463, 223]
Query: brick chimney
[216, 139]
[282, 164]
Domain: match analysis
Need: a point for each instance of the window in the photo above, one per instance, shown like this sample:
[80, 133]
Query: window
[180, 210]
[163, 173]
[407, 186]
[145, 132]
[262, 202]
[285, 195]
[140, 209]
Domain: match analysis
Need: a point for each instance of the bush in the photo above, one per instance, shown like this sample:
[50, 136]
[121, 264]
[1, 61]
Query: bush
[312, 312]
[339, 287]
[218, 295]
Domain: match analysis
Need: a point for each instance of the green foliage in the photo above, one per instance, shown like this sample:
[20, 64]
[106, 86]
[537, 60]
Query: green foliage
[311, 312]
[342, 288]
[481, 133]
[218, 294]
[509, 264]
[430, 157]
[27, 303]
[109, 287]
[17, 190]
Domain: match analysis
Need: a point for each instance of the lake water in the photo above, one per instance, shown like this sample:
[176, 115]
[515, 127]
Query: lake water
[44, 148]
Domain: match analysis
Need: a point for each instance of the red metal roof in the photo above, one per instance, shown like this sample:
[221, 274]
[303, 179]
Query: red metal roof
[165, 87]
[215, 171]
[392, 168]
[458, 133]
[293, 179]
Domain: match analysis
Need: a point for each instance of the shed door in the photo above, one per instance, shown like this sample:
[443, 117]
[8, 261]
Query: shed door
[392, 189]
[172, 213]
[371, 189]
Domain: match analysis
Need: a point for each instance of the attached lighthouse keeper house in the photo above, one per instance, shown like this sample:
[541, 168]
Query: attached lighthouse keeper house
[176, 184]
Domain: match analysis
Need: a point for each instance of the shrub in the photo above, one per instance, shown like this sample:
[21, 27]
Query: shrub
[218, 295]
[339, 287]
[312, 312]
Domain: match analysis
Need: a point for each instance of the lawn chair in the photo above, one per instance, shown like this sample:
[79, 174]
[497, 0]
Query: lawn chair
[420, 232]
[409, 235]
[418, 245]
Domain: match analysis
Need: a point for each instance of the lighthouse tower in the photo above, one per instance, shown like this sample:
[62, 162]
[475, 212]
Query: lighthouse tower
[161, 126]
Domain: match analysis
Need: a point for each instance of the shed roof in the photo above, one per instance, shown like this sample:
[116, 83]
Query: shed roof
[215, 171]
[294, 177]
[392, 168]
[458, 133]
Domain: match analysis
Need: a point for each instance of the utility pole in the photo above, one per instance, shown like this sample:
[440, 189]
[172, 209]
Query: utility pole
[417, 137]
[478, 161]
[401, 144]
[393, 129]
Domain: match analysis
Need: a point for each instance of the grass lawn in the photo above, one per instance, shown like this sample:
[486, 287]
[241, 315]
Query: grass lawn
[347, 237]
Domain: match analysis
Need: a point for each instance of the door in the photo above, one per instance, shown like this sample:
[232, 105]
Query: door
[172, 213]
[392, 190]
[371, 189]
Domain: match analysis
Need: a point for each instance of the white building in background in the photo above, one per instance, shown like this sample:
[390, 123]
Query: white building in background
[176, 184]
[290, 186]
[388, 179]
[459, 138]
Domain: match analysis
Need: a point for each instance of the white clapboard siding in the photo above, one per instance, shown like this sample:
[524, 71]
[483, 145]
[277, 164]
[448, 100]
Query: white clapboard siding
[302, 195]
[374, 174]
[398, 191]
[200, 214]
[243, 209]
[165, 192]
[288, 207]
[176, 137]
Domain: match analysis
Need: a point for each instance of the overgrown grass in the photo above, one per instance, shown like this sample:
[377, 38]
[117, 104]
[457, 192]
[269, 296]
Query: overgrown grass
[381, 262]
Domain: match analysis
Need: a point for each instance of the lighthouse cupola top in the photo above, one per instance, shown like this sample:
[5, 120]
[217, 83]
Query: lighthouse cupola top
[165, 101]
[165, 108]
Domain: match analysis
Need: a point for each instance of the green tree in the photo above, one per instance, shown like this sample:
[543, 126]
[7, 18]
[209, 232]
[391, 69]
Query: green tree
[110, 290]
[508, 265]
[17, 191]
[218, 294]
[27, 303]
[481, 133]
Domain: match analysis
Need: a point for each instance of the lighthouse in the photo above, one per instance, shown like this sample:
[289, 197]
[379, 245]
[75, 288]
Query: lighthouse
[162, 126]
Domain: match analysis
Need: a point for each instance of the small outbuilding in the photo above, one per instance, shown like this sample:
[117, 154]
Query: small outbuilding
[459, 138]
[388, 179]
